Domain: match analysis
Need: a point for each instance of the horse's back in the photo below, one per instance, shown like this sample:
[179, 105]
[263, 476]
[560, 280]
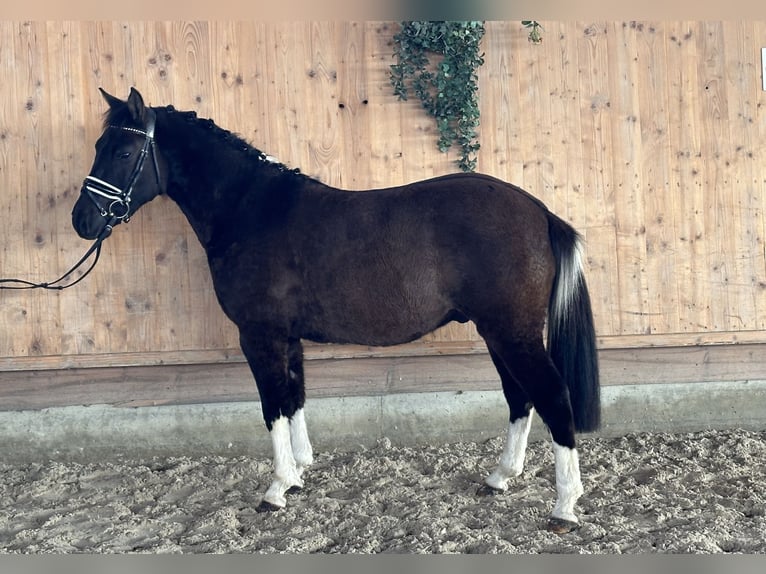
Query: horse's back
[444, 205]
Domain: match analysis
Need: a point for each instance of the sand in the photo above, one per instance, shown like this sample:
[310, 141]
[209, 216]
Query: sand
[645, 493]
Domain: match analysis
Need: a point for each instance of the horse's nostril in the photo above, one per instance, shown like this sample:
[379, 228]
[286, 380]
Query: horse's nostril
[83, 226]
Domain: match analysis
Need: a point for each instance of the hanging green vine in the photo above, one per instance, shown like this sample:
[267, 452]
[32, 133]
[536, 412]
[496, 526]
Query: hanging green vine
[447, 86]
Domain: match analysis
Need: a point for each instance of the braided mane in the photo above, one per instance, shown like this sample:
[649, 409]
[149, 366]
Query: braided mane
[121, 117]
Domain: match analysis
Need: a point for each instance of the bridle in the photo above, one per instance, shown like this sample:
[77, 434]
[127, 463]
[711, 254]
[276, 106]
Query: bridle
[116, 211]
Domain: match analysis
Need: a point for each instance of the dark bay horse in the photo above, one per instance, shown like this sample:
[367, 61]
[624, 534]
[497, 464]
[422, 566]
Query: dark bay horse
[292, 258]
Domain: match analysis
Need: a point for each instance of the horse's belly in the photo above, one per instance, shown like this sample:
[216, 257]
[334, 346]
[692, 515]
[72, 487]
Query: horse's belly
[371, 337]
[376, 302]
[377, 325]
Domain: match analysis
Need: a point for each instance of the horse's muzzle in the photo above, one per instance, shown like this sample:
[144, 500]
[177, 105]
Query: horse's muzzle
[87, 221]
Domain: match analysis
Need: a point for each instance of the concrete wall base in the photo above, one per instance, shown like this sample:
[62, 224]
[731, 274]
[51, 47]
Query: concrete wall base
[348, 423]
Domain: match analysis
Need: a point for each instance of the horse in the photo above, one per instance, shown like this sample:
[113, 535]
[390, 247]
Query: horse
[294, 259]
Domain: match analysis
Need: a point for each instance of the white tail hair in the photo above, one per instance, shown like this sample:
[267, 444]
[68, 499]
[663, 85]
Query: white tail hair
[569, 281]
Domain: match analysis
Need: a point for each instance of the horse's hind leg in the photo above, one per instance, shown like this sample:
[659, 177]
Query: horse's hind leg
[278, 373]
[539, 379]
[512, 460]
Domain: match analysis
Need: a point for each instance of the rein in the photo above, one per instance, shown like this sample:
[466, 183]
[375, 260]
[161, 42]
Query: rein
[18, 284]
[117, 211]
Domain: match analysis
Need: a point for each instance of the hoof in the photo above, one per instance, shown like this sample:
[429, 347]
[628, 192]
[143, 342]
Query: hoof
[293, 490]
[487, 490]
[265, 506]
[561, 526]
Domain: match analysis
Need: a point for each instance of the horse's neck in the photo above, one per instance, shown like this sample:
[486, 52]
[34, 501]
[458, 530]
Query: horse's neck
[210, 183]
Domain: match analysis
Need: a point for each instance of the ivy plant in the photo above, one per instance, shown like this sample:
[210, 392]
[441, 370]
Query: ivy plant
[438, 61]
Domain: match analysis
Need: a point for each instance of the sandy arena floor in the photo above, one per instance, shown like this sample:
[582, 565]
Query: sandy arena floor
[645, 493]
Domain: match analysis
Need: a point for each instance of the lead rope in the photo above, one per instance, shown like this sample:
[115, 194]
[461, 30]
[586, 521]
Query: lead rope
[18, 284]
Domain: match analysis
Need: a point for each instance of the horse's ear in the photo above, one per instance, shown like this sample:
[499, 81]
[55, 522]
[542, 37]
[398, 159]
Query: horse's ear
[136, 105]
[110, 99]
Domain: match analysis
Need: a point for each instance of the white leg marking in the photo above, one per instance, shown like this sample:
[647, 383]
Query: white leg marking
[285, 471]
[512, 460]
[568, 485]
[299, 438]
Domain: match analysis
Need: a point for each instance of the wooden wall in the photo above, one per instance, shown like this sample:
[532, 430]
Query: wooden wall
[646, 136]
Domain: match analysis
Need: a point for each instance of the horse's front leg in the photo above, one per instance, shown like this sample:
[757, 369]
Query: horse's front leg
[286, 473]
[278, 375]
[299, 441]
[299, 438]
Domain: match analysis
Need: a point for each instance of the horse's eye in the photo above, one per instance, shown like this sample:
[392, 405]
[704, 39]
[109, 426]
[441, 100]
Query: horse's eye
[122, 154]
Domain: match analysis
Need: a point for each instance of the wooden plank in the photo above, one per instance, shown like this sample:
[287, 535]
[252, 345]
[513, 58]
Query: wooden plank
[286, 59]
[596, 123]
[596, 118]
[424, 348]
[566, 130]
[630, 289]
[740, 260]
[691, 241]
[660, 313]
[759, 183]
[501, 140]
[353, 98]
[759, 199]
[715, 147]
[38, 210]
[68, 163]
[683, 365]
[184, 384]
[16, 175]
[323, 139]
[681, 339]
[603, 278]
[380, 113]
[533, 107]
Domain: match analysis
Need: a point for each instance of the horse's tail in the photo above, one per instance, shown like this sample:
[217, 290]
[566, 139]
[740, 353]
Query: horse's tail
[571, 335]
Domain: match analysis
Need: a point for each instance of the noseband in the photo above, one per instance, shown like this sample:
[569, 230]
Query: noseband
[118, 208]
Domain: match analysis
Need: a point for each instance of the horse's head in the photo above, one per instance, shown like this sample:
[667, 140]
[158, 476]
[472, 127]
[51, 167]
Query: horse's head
[121, 180]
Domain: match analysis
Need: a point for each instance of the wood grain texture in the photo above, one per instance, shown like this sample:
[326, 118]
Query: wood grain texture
[645, 135]
[131, 386]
